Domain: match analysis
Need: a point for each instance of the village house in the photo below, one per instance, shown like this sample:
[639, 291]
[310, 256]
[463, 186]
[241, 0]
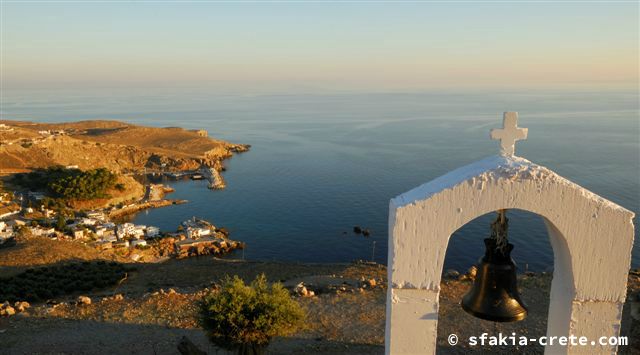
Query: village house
[197, 228]
[99, 230]
[138, 242]
[121, 244]
[124, 230]
[88, 221]
[47, 212]
[6, 231]
[5, 235]
[138, 232]
[120, 234]
[78, 234]
[42, 231]
[110, 238]
[152, 231]
[51, 132]
[195, 233]
[97, 215]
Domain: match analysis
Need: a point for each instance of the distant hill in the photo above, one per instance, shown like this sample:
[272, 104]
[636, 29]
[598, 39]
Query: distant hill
[116, 145]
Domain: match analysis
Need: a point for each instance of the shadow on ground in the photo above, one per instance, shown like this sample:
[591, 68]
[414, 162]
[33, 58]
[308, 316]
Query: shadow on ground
[54, 336]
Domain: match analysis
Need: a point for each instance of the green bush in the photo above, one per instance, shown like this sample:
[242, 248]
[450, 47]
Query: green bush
[245, 317]
[69, 183]
[38, 284]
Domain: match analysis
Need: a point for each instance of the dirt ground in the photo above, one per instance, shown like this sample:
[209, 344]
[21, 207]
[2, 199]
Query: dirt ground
[160, 305]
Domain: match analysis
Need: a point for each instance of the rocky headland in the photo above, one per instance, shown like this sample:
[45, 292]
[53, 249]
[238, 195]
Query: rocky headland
[123, 148]
[119, 146]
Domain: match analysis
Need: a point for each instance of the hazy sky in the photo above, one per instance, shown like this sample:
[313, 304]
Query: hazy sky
[334, 46]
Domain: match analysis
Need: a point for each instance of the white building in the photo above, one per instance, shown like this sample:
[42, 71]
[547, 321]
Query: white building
[4, 236]
[110, 238]
[6, 231]
[78, 234]
[195, 233]
[41, 231]
[96, 215]
[125, 229]
[88, 221]
[137, 232]
[100, 230]
[152, 231]
[120, 234]
[138, 242]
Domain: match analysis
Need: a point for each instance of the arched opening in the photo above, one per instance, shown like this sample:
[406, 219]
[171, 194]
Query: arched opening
[527, 232]
[534, 257]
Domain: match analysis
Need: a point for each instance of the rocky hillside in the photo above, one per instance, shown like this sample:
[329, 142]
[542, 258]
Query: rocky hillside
[116, 145]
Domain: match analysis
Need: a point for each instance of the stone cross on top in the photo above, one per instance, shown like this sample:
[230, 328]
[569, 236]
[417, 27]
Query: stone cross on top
[509, 133]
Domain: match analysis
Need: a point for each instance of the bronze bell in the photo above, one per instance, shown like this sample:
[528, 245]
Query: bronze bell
[494, 295]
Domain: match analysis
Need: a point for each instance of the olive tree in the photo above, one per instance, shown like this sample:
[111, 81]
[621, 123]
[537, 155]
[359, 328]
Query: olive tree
[246, 317]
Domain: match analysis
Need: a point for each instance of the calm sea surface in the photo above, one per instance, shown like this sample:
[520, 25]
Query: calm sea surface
[322, 163]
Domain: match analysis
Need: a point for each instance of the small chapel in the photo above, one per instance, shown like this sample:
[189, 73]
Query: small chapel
[591, 238]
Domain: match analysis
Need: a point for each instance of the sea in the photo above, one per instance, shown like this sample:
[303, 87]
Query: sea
[323, 162]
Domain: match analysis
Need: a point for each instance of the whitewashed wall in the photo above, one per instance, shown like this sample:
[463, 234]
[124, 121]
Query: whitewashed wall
[591, 239]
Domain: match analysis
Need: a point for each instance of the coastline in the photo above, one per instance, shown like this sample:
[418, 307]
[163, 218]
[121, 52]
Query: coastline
[88, 158]
[129, 210]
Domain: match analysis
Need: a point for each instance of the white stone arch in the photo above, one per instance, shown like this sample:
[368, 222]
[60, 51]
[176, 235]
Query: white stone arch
[591, 238]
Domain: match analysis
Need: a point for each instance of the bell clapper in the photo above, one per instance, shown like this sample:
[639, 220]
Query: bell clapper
[499, 230]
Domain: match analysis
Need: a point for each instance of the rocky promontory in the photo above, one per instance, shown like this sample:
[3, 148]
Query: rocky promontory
[119, 146]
